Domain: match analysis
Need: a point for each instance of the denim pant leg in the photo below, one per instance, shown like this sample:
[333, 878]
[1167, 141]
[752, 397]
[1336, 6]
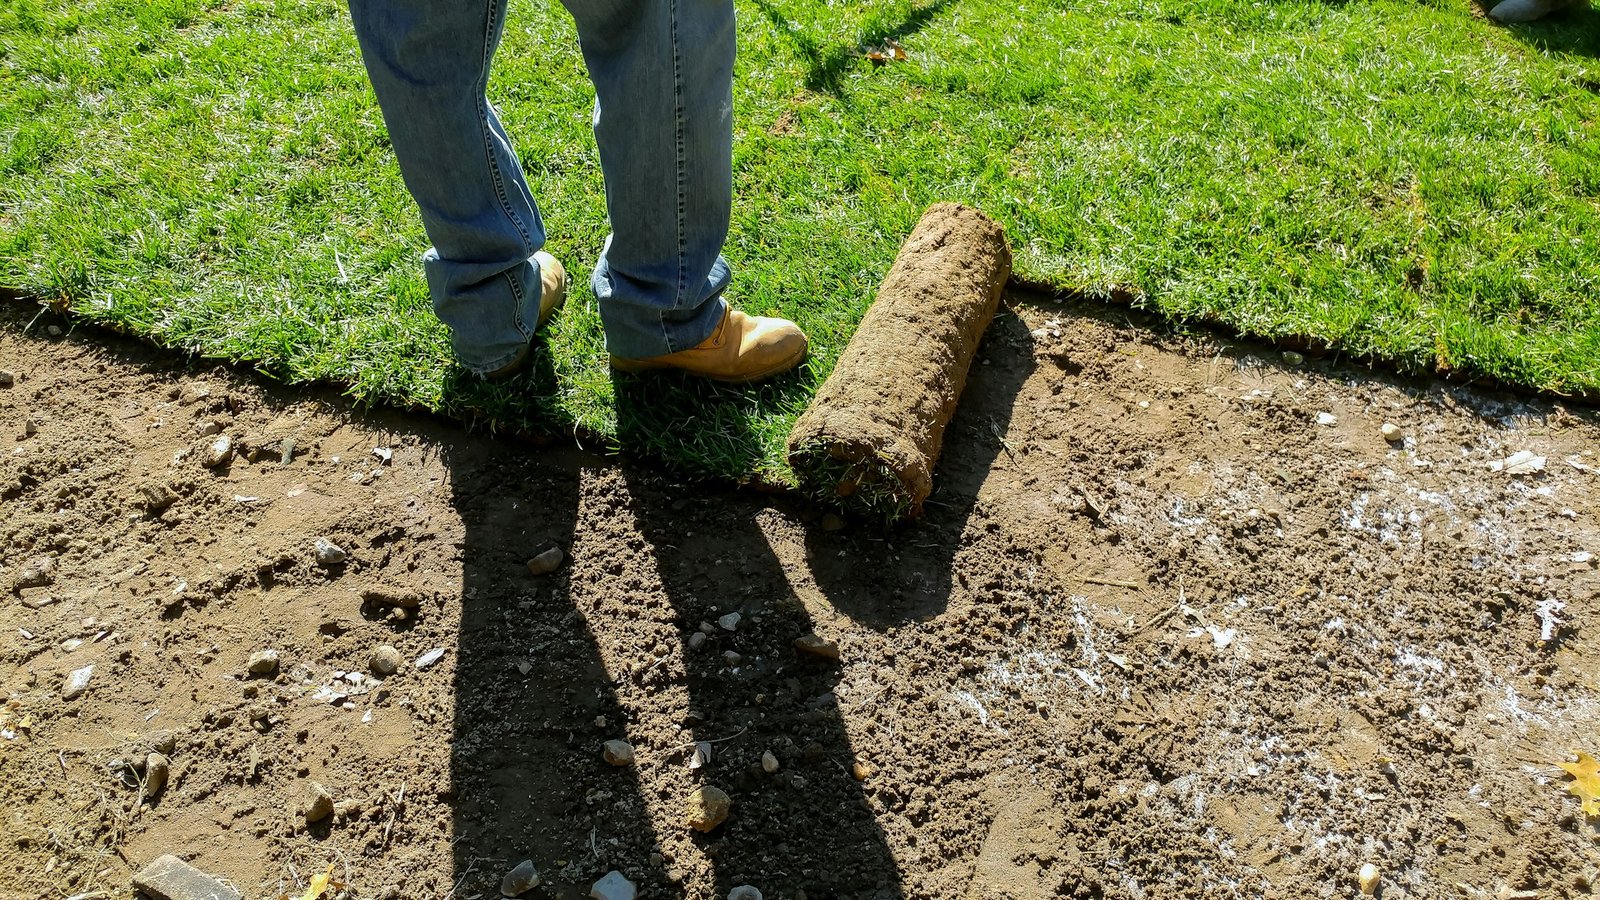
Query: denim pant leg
[429, 65]
[663, 77]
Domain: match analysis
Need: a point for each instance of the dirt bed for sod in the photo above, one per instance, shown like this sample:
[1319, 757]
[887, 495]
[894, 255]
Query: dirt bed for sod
[1179, 622]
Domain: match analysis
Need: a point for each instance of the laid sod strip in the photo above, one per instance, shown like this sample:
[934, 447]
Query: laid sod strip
[870, 439]
[1396, 178]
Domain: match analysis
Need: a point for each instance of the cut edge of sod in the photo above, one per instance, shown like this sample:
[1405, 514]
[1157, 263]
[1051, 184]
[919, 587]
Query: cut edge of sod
[870, 484]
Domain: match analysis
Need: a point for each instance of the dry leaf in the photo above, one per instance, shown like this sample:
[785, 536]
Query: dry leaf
[1585, 783]
[320, 883]
[701, 756]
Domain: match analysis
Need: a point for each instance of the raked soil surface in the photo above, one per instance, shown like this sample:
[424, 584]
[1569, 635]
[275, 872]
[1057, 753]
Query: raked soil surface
[1179, 622]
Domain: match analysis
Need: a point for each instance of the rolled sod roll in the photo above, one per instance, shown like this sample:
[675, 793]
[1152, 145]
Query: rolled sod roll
[871, 436]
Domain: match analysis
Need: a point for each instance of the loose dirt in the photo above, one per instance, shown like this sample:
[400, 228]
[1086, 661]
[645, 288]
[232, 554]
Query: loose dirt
[1161, 634]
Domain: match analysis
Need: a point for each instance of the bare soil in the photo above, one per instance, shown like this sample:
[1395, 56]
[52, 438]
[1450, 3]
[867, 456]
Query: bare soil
[1161, 634]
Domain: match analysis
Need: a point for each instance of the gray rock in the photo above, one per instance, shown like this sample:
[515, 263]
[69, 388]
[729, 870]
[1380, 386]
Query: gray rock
[7, 379]
[170, 878]
[329, 553]
[385, 660]
[429, 658]
[520, 880]
[613, 887]
[729, 622]
[617, 753]
[263, 662]
[769, 763]
[546, 562]
[697, 640]
[745, 892]
[77, 682]
[732, 657]
[317, 803]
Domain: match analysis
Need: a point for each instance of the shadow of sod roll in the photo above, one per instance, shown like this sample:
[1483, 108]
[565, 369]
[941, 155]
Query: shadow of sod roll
[871, 437]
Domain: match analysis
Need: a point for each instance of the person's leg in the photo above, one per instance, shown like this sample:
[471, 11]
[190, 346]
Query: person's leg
[429, 64]
[663, 77]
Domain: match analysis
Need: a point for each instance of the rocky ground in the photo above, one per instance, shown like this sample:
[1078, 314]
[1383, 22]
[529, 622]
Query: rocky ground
[1180, 622]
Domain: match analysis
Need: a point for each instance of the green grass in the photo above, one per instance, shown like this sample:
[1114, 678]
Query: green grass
[1395, 178]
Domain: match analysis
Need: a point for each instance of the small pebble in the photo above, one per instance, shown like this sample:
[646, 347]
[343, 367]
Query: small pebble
[1392, 432]
[860, 771]
[744, 892]
[815, 646]
[36, 572]
[219, 454]
[53, 330]
[156, 771]
[385, 660]
[729, 622]
[77, 682]
[263, 662]
[707, 628]
[617, 753]
[429, 658]
[769, 763]
[1293, 358]
[7, 379]
[520, 880]
[208, 428]
[329, 553]
[157, 496]
[1368, 878]
[697, 640]
[708, 808]
[613, 887]
[546, 562]
[1325, 418]
[732, 657]
[317, 803]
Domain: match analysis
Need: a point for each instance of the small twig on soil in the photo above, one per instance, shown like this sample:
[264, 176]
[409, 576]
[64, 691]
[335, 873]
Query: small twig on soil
[472, 866]
[690, 746]
[62, 758]
[1165, 615]
[1108, 582]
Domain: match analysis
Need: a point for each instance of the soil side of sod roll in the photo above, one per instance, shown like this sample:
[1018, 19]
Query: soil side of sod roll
[871, 437]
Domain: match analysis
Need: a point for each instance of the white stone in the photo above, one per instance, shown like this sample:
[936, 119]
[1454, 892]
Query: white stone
[77, 682]
[613, 887]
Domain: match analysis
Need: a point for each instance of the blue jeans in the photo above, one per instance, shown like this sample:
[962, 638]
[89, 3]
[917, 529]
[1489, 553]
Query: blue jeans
[663, 78]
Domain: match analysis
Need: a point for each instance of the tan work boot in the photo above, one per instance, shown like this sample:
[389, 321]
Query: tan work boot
[742, 349]
[553, 283]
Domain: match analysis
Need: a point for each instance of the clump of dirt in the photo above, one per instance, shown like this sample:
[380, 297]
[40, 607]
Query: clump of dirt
[1180, 621]
[871, 437]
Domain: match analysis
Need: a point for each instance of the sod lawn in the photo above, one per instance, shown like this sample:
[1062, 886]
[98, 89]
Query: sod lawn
[1399, 179]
